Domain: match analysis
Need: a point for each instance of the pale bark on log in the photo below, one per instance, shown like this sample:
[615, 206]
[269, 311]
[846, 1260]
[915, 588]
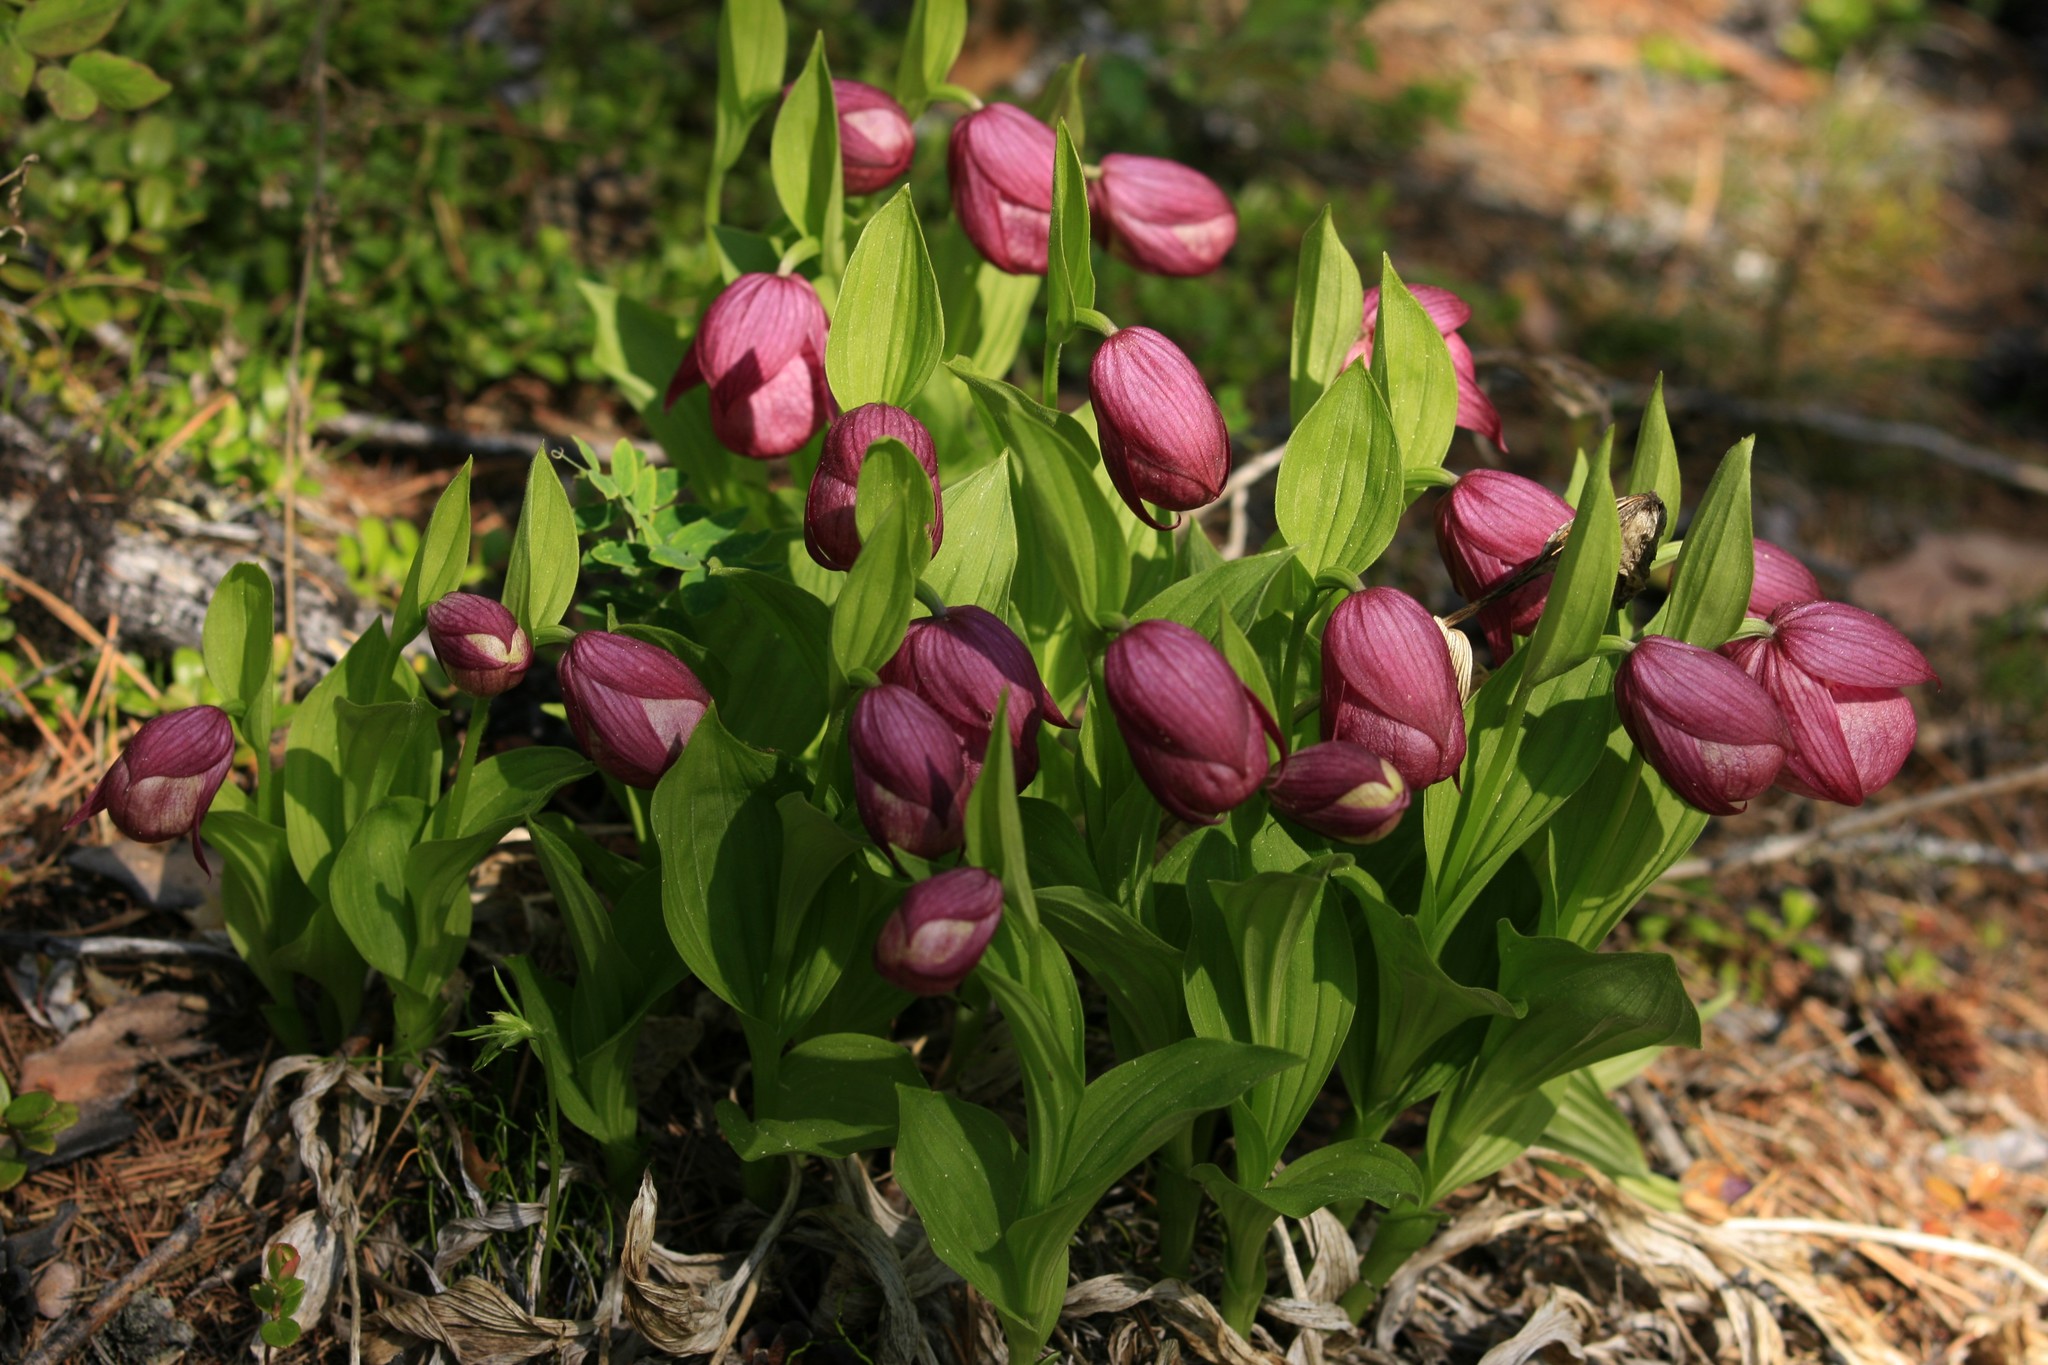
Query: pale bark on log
[159, 582]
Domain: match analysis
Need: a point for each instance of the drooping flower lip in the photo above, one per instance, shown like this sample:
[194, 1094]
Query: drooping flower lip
[963, 664]
[940, 930]
[480, 645]
[1195, 732]
[909, 777]
[163, 783]
[761, 348]
[1706, 727]
[1489, 526]
[1161, 216]
[633, 705]
[831, 527]
[1390, 683]
[1834, 672]
[1163, 437]
[1000, 163]
[1341, 790]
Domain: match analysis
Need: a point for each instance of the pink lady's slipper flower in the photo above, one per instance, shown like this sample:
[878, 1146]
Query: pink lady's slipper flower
[831, 533]
[1391, 685]
[1489, 526]
[633, 705]
[1196, 734]
[1449, 312]
[1835, 671]
[761, 348]
[1163, 438]
[939, 932]
[479, 643]
[1340, 790]
[961, 664]
[909, 779]
[1781, 580]
[1161, 216]
[876, 141]
[1000, 162]
[164, 781]
[1701, 722]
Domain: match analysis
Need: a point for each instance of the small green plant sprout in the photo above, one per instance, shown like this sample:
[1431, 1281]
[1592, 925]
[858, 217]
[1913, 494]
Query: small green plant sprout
[277, 1296]
[1797, 911]
[30, 1123]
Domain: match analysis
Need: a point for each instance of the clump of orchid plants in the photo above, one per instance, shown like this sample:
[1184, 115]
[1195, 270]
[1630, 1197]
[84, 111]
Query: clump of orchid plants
[877, 751]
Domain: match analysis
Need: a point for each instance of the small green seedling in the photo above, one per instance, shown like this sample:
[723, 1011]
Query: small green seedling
[277, 1296]
[29, 1124]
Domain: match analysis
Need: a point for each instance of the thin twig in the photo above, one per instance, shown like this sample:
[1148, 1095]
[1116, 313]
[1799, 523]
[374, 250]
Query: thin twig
[298, 406]
[1781, 846]
[117, 946]
[68, 1336]
[1254, 469]
[1851, 426]
[1898, 1237]
[80, 627]
[397, 434]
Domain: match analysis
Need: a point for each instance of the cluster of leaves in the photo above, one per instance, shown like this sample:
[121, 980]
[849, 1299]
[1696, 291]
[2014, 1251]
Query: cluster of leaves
[30, 1124]
[277, 1297]
[46, 32]
[1456, 962]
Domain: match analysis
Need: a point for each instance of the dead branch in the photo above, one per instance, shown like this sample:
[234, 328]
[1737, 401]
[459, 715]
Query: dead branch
[397, 434]
[68, 1336]
[1779, 847]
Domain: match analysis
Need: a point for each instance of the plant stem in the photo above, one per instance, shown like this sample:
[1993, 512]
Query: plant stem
[1244, 1273]
[1399, 1236]
[929, 595]
[764, 1179]
[1049, 377]
[1297, 641]
[1180, 1203]
[472, 741]
[555, 1186]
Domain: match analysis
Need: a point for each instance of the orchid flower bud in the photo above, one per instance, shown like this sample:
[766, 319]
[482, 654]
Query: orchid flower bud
[1781, 580]
[164, 781]
[1488, 526]
[939, 931]
[1449, 312]
[633, 705]
[1701, 722]
[1161, 216]
[761, 348]
[1000, 161]
[961, 664]
[876, 141]
[1340, 790]
[1196, 734]
[831, 531]
[1834, 671]
[479, 643]
[1163, 438]
[1390, 683]
[909, 778]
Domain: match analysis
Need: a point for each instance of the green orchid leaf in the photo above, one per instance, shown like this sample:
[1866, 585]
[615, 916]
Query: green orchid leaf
[887, 330]
[1327, 316]
[1339, 493]
[1411, 364]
